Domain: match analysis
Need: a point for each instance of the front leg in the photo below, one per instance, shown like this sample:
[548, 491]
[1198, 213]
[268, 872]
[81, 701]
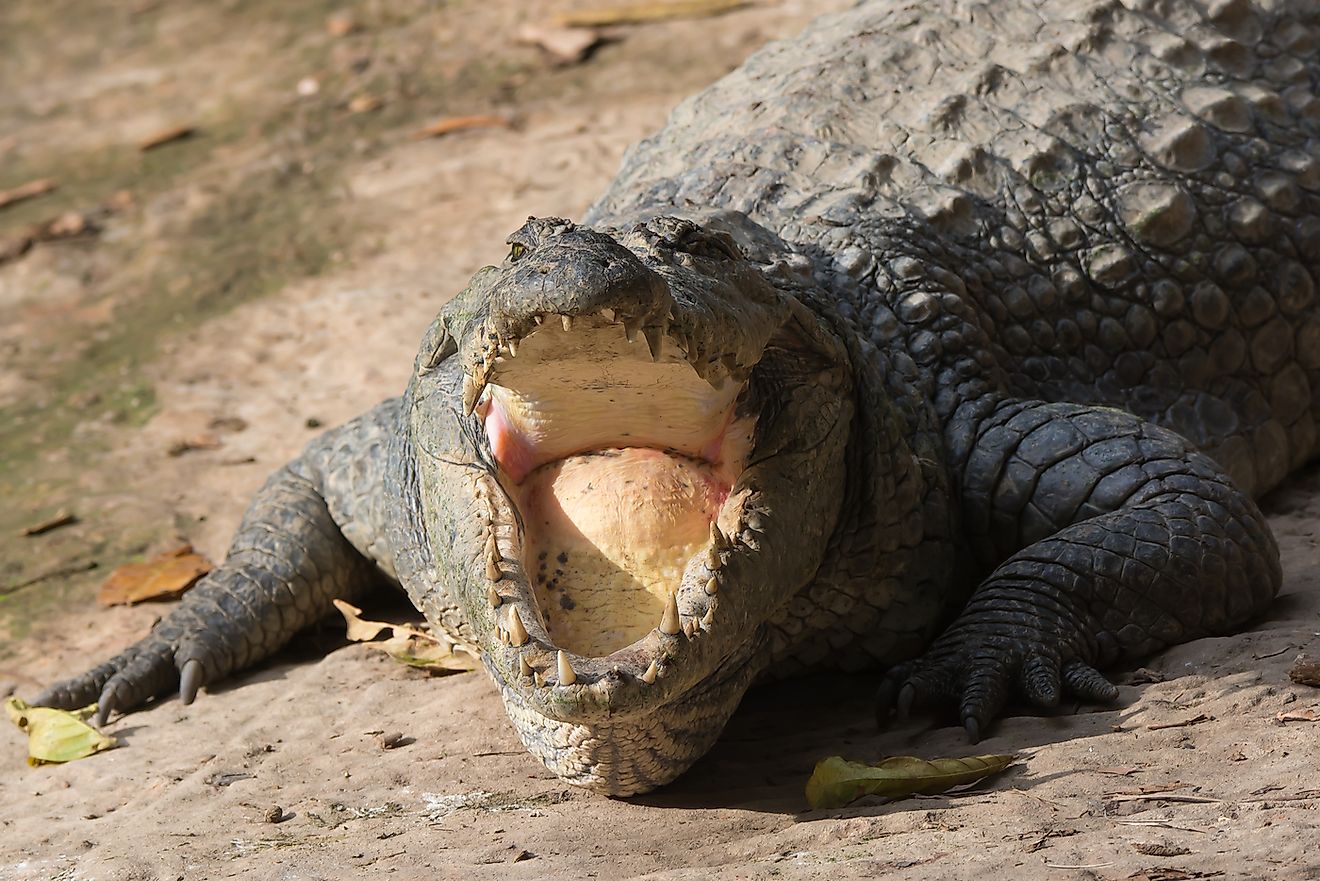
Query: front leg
[1129, 541]
[307, 539]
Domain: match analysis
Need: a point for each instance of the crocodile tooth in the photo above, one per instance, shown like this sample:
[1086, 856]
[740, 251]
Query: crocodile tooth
[669, 622]
[502, 635]
[492, 547]
[539, 319]
[712, 586]
[524, 668]
[655, 341]
[567, 321]
[649, 676]
[630, 328]
[690, 627]
[493, 596]
[539, 678]
[493, 572]
[472, 389]
[708, 618]
[517, 632]
[566, 674]
[512, 346]
[608, 315]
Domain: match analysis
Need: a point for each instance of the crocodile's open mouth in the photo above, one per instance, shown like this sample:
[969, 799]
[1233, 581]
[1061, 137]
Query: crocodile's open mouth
[620, 458]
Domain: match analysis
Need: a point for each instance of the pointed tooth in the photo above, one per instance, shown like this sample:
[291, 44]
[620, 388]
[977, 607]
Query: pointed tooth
[493, 596]
[690, 627]
[655, 341]
[630, 328]
[513, 348]
[669, 622]
[493, 571]
[608, 315]
[524, 668]
[502, 635]
[539, 319]
[492, 548]
[566, 674]
[472, 389]
[708, 618]
[717, 536]
[567, 322]
[649, 676]
[517, 632]
[712, 586]
[539, 678]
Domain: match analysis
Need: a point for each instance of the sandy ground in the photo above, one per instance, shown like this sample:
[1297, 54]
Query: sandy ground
[1190, 776]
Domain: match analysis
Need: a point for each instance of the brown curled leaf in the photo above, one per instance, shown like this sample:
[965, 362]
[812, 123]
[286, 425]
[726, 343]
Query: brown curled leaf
[409, 645]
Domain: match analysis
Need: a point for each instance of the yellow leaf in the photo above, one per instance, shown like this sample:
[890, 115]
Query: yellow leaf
[57, 735]
[837, 782]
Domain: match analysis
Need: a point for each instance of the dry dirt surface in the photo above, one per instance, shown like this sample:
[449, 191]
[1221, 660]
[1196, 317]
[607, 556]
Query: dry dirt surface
[178, 322]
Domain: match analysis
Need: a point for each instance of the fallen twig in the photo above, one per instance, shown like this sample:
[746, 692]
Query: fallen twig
[642, 13]
[29, 190]
[1195, 720]
[63, 518]
[460, 123]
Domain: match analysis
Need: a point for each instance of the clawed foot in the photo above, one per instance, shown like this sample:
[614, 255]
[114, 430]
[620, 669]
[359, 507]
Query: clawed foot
[151, 668]
[977, 674]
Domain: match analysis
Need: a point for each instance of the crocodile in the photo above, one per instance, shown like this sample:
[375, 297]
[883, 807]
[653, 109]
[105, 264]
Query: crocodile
[950, 339]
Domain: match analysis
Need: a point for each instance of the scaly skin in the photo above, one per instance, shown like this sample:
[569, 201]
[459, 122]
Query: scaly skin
[1029, 292]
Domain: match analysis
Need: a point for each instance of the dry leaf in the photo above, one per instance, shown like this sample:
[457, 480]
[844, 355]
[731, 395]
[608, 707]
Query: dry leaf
[57, 735]
[641, 13]
[365, 104]
[29, 190]
[460, 123]
[837, 782]
[410, 645]
[1307, 715]
[166, 136]
[196, 442]
[566, 45]
[342, 24]
[166, 577]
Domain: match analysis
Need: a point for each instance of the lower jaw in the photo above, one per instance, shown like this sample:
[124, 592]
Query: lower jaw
[639, 752]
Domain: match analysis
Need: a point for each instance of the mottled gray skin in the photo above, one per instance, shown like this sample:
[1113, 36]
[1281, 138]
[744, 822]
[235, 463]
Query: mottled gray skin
[1038, 280]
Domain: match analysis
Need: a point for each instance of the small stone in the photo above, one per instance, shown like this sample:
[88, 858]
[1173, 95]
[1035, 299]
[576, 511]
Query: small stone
[273, 814]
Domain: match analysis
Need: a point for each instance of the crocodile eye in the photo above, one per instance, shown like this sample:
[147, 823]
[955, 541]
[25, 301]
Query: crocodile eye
[516, 252]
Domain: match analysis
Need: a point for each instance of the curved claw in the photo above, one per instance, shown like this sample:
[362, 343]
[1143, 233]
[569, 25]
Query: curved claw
[973, 729]
[907, 695]
[190, 680]
[105, 704]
